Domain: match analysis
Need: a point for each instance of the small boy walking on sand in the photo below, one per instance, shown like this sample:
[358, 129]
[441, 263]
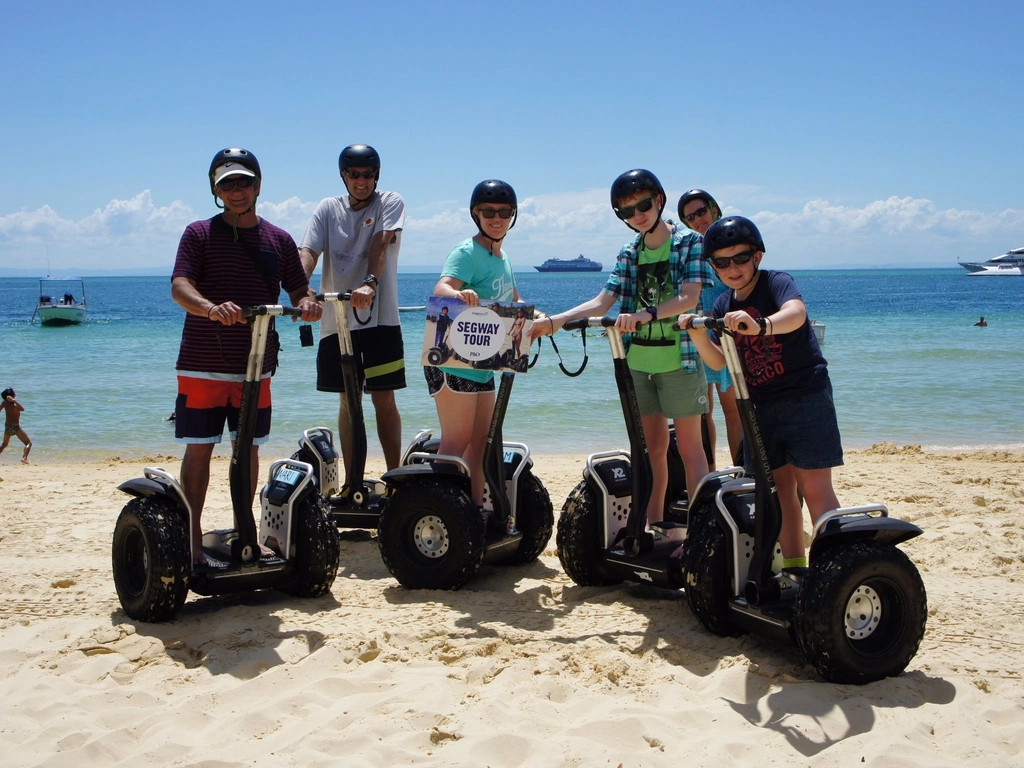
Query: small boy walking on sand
[12, 422]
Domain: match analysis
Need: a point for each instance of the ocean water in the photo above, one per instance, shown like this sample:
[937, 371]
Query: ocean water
[906, 363]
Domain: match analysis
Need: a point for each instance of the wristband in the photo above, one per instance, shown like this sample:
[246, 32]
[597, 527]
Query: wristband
[371, 280]
[762, 323]
[653, 312]
[210, 311]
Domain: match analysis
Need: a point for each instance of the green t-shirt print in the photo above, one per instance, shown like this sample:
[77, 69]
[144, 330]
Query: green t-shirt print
[655, 347]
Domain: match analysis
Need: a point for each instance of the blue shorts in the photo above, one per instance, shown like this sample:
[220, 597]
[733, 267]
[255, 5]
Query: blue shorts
[801, 431]
[721, 378]
[203, 405]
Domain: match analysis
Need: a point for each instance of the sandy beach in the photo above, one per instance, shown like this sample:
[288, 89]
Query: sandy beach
[520, 668]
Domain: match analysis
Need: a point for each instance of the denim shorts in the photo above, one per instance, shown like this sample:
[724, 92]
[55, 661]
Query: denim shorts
[800, 431]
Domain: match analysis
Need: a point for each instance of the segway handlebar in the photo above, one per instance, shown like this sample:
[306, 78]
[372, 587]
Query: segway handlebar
[346, 296]
[716, 324]
[271, 309]
[588, 322]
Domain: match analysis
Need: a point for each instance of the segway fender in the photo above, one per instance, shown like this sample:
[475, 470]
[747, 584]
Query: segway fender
[888, 531]
[414, 473]
[142, 487]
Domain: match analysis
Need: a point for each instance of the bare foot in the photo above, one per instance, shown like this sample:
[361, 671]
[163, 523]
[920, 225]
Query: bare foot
[266, 552]
[24, 461]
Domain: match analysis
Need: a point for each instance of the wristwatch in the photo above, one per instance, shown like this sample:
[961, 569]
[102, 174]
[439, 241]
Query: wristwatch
[371, 280]
[653, 311]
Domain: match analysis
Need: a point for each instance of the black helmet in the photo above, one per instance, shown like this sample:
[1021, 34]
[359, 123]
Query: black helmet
[493, 191]
[631, 182]
[638, 180]
[732, 230]
[497, 192]
[234, 155]
[700, 194]
[359, 156]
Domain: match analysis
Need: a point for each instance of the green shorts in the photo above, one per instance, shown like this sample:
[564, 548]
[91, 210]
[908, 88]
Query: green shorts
[674, 395]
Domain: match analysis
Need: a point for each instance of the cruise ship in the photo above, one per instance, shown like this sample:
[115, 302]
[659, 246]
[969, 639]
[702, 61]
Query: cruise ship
[580, 264]
[1010, 264]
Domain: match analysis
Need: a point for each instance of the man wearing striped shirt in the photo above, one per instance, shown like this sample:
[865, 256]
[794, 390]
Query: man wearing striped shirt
[234, 260]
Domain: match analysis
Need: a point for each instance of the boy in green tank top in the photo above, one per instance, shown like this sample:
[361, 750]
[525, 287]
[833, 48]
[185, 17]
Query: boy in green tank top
[661, 270]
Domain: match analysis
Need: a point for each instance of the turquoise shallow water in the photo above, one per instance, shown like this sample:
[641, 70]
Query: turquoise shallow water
[906, 364]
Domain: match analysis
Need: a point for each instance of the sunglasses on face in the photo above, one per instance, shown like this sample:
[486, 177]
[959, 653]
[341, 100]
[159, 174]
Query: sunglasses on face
[723, 262]
[360, 174]
[629, 211]
[692, 217]
[490, 213]
[235, 182]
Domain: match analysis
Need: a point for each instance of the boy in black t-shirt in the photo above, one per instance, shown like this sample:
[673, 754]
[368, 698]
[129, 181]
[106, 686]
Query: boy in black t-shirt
[786, 374]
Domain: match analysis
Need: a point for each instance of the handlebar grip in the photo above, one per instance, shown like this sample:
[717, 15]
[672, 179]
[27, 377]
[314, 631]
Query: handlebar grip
[588, 322]
[346, 296]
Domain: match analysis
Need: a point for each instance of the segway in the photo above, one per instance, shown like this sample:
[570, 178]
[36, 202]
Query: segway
[152, 554]
[431, 534]
[358, 503]
[601, 536]
[858, 611]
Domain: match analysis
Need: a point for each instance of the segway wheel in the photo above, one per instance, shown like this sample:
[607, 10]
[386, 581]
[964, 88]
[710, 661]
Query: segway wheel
[580, 541]
[535, 517]
[435, 356]
[861, 613]
[432, 536]
[151, 558]
[708, 584]
[317, 550]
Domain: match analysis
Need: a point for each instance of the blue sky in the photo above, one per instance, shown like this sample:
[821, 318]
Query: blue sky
[862, 135]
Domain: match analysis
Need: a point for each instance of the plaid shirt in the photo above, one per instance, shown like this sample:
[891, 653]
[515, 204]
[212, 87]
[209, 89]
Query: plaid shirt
[686, 263]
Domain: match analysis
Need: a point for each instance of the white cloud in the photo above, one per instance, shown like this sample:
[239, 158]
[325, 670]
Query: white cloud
[137, 233]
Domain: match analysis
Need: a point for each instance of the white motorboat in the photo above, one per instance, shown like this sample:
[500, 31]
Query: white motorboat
[58, 302]
[1010, 264]
[819, 331]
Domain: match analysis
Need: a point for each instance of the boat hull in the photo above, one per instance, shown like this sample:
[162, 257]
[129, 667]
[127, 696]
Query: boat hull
[998, 272]
[58, 315]
[596, 268]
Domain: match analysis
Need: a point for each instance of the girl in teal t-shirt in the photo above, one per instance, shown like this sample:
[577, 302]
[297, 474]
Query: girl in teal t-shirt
[476, 271]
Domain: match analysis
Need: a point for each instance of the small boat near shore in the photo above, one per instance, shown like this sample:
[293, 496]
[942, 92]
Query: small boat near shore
[421, 308]
[819, 331]
[58, 304]
[580, 264]
[1009, 264]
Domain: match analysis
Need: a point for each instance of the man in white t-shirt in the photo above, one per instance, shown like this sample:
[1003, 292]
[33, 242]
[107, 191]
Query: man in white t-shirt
[361, 233]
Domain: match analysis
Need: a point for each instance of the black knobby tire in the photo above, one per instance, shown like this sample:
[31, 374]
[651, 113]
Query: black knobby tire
[861, 612]
[151, 558]
[535, 517]
[432, 536]
[708, 569]
[580, 539]
[317, 550]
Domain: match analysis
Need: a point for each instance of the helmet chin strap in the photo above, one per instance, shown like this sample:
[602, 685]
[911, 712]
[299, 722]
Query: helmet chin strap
[501, 239]
[234, 223]
[351, 195]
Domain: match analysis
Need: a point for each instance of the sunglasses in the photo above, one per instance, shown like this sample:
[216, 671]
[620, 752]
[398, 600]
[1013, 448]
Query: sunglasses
[723, 262]
[629, 211]
[490, 213]
[360, 174]
[235, 182]
[692, 217]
